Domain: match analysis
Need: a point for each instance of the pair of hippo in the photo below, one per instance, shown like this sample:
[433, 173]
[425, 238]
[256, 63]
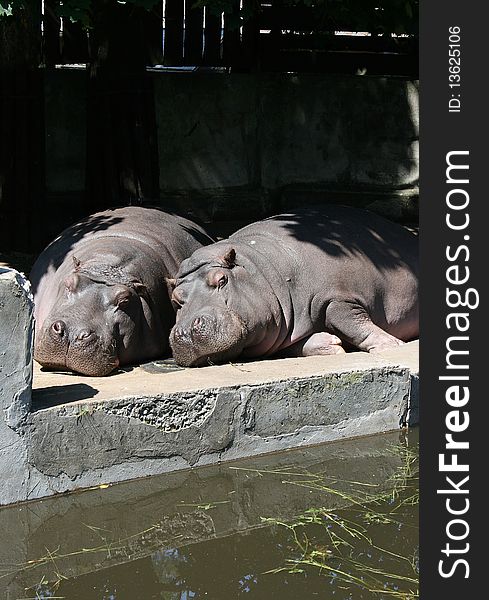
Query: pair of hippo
[121, 286]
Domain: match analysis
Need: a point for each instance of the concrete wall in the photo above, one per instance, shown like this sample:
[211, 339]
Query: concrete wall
[65, 122]
[277, 130]
[243, 146]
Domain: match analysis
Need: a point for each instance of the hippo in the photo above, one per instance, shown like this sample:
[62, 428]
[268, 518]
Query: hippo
[100, 292]
[312, 282]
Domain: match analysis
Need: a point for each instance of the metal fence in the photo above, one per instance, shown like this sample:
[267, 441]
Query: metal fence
[278, 37]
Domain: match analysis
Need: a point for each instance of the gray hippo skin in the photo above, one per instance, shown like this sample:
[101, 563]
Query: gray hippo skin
[298, 284]
[100, 290]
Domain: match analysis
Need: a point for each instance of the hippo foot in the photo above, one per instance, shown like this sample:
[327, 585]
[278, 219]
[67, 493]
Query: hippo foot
[323, 343]
[386, 344]
[318, 344]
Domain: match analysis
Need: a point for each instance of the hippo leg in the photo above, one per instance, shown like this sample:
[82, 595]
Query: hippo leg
[352, 324]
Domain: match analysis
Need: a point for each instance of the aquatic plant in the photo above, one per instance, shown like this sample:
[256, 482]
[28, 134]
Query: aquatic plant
[341, 544]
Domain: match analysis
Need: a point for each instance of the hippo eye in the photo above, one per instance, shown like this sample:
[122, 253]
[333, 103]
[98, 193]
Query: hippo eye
[217, 278]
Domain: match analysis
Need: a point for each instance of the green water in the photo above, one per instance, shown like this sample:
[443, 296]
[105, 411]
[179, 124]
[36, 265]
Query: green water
[335, 521]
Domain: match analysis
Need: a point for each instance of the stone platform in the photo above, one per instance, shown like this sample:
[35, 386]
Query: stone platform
[78, 432]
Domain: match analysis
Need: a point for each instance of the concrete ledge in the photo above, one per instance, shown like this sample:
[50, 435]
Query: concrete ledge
[85, 431]
[16, 346]
[158, 418]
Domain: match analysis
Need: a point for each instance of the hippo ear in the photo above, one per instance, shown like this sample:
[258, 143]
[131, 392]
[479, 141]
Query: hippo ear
[122, 296]
[71, 282]
[229, 259]
[141, 290]
[76, 263]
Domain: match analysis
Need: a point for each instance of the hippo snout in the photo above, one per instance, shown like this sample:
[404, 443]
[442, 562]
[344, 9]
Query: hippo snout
[197, 329]
[59, 333]
[201, 339]
[202, 326]
[84, 335]
[181, 335]
[64, 345]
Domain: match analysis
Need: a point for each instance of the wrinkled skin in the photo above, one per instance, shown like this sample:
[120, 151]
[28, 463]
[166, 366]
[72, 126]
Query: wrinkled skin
[302, 284]
[100, 289]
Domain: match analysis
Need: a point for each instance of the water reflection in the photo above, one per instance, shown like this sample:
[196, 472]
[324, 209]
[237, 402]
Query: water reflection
[336, 521]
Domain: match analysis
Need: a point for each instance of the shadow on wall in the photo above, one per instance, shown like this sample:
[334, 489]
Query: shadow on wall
[272, 131]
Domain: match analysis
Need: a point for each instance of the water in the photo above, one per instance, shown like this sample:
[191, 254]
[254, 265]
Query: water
[335, 521]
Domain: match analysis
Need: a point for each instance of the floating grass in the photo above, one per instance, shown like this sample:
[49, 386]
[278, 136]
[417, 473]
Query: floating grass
[335, 546]
[52, 557]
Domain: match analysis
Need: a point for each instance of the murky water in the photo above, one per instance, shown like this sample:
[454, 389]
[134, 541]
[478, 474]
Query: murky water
[337, 521]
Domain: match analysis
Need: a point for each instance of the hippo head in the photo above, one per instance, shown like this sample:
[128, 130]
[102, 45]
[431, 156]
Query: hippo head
[95, 324]
[210, 298]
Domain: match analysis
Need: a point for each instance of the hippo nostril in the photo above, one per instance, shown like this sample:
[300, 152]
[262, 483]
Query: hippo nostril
[59, 328]
[197, 323]
[83, 335]
[178, 332]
